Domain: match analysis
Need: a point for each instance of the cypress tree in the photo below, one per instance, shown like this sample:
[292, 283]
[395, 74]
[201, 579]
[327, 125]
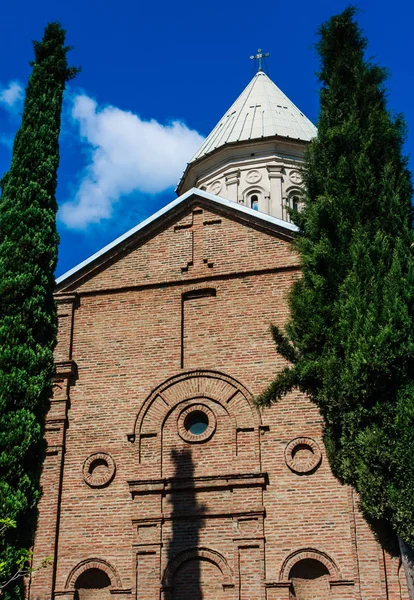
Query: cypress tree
[28, 322]
[350, 340]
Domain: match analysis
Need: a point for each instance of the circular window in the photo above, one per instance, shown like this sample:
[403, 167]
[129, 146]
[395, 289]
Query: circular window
[196, 423]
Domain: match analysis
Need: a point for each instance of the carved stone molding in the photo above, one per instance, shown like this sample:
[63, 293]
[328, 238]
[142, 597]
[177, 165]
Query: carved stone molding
[253, 176]
[296, 176]
[232, 177]
[215, 187]
[275, 172]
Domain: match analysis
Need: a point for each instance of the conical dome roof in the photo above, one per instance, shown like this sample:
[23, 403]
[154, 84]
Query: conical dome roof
[262, 110]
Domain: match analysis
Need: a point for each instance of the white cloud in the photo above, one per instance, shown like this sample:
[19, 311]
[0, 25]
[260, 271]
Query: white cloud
[127, 155]
[11, 96]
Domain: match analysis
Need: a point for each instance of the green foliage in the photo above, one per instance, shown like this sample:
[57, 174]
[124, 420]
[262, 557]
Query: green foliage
[28, 254]
[350, 338]
[23, 560]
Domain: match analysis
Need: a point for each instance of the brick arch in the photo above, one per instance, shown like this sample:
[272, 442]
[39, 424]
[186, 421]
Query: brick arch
[219, 387]
[93, 563]
[202, 554]
[304, 553]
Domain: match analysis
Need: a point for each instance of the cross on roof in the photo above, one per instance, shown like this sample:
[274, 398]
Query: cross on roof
[259, 56]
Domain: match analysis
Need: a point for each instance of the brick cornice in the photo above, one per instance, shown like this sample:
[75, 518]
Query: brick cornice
[258, 511]
[171, 485]
[67, 298]
[66, 369]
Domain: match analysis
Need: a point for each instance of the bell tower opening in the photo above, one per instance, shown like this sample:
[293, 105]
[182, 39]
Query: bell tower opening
[254, 202]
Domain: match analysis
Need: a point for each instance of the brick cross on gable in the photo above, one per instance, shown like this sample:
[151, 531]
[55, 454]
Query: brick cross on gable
[199, 252]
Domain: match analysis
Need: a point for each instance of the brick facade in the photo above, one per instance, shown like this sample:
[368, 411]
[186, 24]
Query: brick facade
[172, 323]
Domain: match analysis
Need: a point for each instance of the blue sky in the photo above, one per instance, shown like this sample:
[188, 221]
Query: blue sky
[156, 77]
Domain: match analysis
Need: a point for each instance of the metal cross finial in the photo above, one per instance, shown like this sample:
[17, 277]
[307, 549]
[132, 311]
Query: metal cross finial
[259, 56]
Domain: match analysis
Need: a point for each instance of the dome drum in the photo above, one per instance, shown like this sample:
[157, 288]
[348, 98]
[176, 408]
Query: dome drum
[260, 142]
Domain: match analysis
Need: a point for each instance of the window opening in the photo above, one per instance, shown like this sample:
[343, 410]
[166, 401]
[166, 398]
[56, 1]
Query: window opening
[254, 202]
[309, 579]
[295, 202]
[92, 584]
[196, 422]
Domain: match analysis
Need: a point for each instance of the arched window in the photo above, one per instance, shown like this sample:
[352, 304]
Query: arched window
[93, 584]
[294, 202]
[254, 202]
[196, 580]
[310, 579]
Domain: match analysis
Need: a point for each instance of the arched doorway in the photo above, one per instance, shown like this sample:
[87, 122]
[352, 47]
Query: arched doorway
[93, 584]
[198, 579]
[310, 580]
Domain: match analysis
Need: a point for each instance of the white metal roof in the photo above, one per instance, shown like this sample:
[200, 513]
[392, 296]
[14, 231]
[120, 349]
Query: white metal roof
[194, 191]
[261, 110]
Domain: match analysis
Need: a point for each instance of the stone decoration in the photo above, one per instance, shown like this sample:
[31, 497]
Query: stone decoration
[303, 455]
[296, 177]
[99, 470]
[253, 176]
[215, 187]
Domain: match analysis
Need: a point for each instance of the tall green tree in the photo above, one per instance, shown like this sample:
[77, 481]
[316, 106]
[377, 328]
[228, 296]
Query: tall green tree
[350, 338]
[28, 254]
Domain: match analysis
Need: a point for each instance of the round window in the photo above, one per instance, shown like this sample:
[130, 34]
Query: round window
[196, 422]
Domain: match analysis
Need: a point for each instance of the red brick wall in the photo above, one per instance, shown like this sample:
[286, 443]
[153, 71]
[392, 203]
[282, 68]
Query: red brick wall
[198, 580]
[229, 514]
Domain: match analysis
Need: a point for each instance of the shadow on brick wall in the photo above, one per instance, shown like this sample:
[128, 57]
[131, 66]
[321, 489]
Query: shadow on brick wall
[186, 523]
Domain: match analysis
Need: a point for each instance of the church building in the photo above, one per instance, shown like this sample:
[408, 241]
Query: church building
[162, 480]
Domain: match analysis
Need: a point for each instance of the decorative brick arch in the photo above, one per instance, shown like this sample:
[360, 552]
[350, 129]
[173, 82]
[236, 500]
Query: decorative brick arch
[93, 563]
[305, 553]
[202, 554]
[219, 387]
